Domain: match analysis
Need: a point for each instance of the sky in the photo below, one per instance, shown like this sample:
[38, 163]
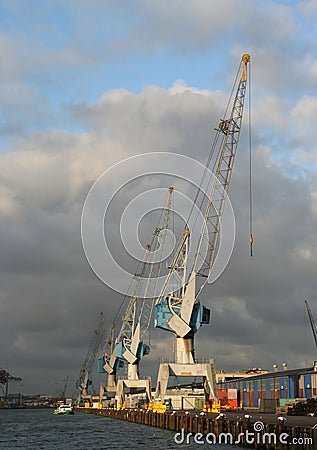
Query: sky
[87, 84]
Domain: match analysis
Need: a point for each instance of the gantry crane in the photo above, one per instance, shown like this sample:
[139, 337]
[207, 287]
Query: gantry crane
[129, 346]
[84, 380]
[312, 322]
[180, 311]
[5, 379]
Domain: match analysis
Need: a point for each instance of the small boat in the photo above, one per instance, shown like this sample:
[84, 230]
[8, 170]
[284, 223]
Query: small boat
[64, 409]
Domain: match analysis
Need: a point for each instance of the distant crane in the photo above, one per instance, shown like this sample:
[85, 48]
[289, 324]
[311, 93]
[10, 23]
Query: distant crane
[62, 389]
[84, 380]
[312, 322]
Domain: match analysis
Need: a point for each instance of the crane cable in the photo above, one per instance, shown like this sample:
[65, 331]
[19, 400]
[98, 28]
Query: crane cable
[250, 173]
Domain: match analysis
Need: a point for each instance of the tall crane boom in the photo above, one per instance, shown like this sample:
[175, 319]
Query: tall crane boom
[180, 312]
[229, 129]
[312, 322]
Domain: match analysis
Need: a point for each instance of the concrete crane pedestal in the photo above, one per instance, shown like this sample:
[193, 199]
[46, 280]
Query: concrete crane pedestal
[121, 384]
[205, 370]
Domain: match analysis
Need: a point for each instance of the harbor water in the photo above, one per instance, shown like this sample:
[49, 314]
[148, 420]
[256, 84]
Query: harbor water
[39, 429]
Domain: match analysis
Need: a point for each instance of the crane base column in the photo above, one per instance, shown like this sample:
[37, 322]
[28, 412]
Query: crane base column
[121, 396]
[205, 370]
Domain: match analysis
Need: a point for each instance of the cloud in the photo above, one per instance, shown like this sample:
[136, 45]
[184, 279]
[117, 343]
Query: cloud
[50, 296]
[63, 124]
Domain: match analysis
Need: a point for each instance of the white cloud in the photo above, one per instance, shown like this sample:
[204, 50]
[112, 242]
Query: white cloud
[303, 121]
[304, 111]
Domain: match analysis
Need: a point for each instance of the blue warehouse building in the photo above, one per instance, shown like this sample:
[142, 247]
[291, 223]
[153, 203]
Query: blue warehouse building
[274, 388]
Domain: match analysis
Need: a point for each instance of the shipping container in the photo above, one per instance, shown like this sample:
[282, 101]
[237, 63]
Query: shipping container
[232, 394]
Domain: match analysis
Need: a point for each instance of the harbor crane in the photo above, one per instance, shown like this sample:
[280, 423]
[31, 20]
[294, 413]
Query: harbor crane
[312, 322]
[103, 362]
[129, 346]
[84, 378]
[180, 312]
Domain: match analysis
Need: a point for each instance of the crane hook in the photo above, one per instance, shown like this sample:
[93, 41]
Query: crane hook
[251, 245]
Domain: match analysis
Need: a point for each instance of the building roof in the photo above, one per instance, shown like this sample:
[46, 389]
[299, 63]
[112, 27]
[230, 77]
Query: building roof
[282, 373]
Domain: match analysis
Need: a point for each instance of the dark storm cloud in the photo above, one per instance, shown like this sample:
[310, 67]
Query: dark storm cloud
[50, 298]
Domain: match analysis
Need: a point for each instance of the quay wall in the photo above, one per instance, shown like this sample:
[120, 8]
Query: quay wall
[241, 430]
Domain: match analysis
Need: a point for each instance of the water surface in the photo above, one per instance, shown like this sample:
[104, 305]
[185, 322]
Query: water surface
[40, 429]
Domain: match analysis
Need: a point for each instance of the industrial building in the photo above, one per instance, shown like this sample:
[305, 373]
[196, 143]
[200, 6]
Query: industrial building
[275, 388]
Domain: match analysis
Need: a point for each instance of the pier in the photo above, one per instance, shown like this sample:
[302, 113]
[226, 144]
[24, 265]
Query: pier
[254, 431]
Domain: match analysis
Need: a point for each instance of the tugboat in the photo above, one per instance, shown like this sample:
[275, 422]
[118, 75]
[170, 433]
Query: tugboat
[64, 409]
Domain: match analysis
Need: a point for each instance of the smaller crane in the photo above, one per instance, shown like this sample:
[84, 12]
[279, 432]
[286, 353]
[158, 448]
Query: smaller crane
[83, 382]
[312, 322]
[129, 346]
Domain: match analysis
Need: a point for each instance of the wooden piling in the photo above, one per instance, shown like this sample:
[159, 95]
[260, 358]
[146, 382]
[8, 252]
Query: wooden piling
[304, 438]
